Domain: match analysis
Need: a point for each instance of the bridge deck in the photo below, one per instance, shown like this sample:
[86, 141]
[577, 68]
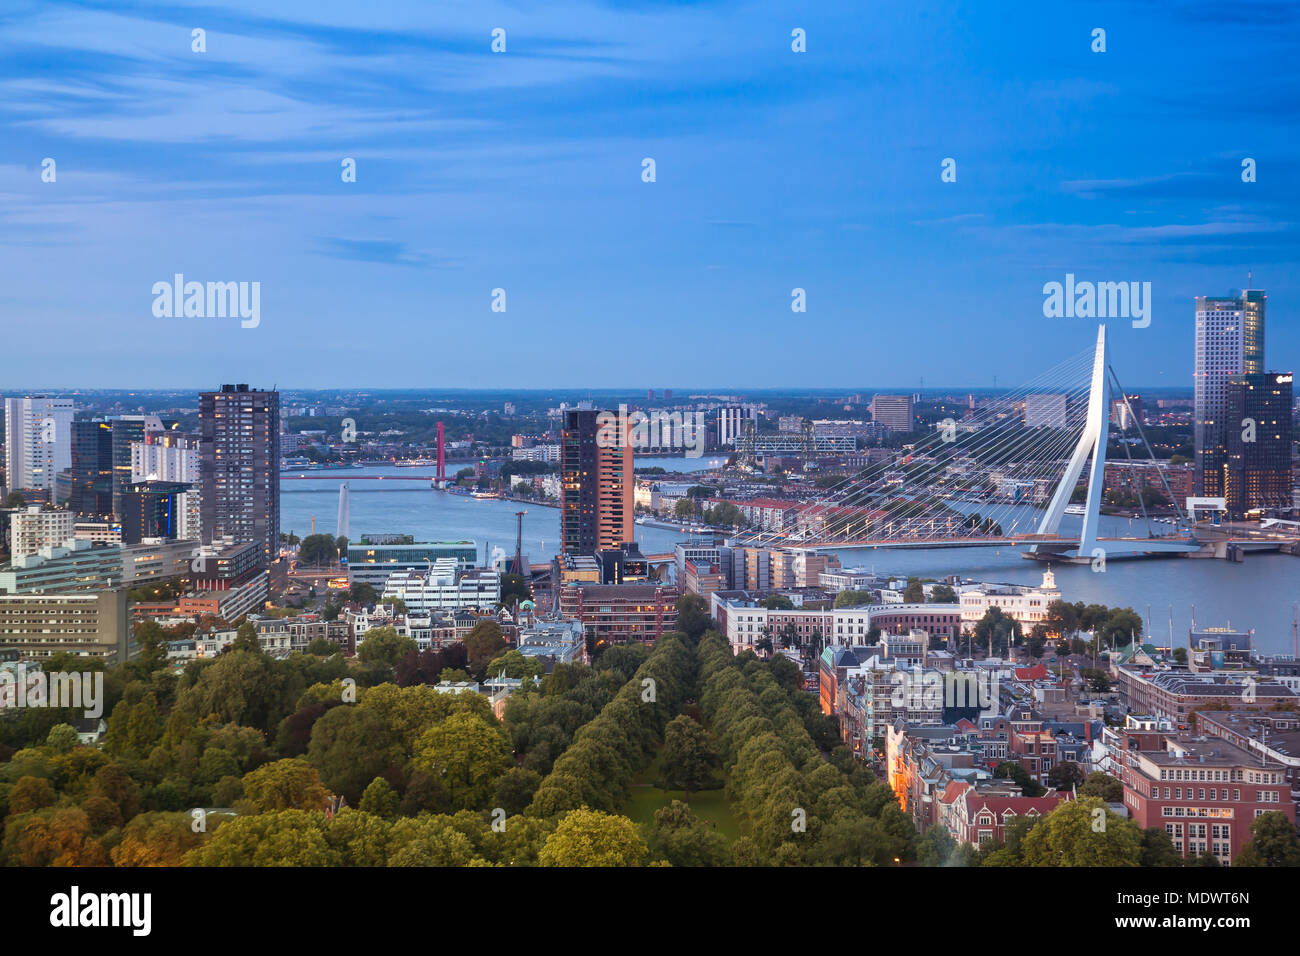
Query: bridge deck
[1017, 541]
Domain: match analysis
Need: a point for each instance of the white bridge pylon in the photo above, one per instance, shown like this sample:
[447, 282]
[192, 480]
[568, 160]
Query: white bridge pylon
[1091, 443]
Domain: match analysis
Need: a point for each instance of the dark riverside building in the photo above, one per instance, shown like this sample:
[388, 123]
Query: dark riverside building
[239, 467]
[1257, 473]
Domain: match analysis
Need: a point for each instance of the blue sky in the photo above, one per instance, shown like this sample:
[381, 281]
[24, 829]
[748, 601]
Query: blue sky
[522, 171]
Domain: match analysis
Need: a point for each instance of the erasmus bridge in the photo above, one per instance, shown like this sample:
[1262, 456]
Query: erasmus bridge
[1006, 476]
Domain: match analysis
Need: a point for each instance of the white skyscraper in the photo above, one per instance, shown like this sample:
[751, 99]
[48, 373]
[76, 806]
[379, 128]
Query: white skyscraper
[38, 441]
[1229, 341]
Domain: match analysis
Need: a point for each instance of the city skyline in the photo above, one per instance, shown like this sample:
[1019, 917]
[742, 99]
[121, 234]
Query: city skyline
[972, 544]
[523, 171]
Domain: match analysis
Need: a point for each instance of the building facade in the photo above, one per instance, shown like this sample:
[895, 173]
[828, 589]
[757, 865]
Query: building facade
[91, 493]
[35, 527]
[1257, 471]
[38, 441]
[92, 624]
[374, 563]
[893, 411]
[620, 613]
[1204, 792]
[597, 486]
[1229, 341]
[240, 466]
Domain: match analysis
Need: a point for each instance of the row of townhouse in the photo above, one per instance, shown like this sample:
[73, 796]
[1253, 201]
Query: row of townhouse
[278, 637]
[944, 776]
[283, 636]
[431, 630]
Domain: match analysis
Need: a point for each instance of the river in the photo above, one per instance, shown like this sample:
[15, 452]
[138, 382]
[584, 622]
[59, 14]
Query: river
[412, 507]
[1258, 593]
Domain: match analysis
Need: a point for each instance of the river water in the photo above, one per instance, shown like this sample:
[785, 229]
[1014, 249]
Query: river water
[1258, 593]
[414, 508]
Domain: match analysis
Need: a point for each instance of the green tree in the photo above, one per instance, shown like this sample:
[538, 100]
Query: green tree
[689, 756]
[1098, 681]
[363, 593]
[1062, 617]
[1272, 842]
[380, 799]
[726, 515]
[246, 639]
[943, 594]
[1121, 627]
[289, 784]
[350, 747]
[483, 642]
[935, 847]
[1103, 785]
[683, 839]
[693, 615]
[851, 598]
[778, 602]
[514, 663]
[270, 838]
[383, 645]
[318, 549]
[591, 838]
[516, 788]
[514, 588]
[1066, 775]
[997, 631]
[61, 738]
[914, 593]
[1158, 848]
[152, 641]
[1083, 833]
[465, 754]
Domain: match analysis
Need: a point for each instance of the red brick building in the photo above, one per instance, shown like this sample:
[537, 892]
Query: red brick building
[1033, 747]
[1205, 792]
[979, 818]
[621, 613]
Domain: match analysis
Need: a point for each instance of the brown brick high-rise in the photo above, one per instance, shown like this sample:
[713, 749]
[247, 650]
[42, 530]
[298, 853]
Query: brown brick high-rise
[595, 484]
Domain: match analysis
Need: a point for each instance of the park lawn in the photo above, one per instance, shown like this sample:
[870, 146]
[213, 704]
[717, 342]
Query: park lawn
[710, 805]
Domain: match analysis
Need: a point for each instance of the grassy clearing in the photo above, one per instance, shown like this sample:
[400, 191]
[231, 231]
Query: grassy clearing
[709, 805]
